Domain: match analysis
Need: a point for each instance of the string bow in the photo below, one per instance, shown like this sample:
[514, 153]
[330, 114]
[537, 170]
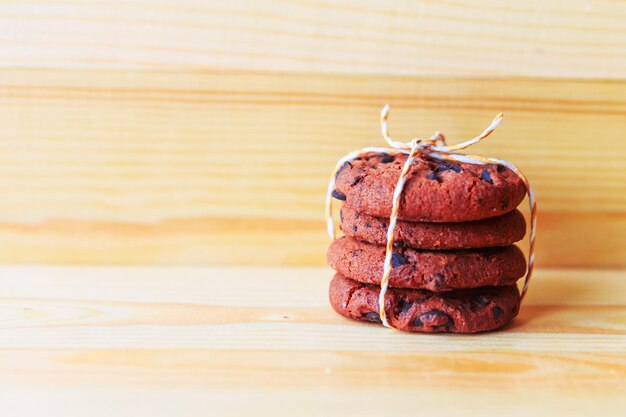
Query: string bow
[434, 147]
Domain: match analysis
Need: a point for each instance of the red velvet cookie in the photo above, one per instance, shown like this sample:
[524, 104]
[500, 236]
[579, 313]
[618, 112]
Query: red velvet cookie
[435, 191]
[429, 270]
[495, 231]
[461, 311]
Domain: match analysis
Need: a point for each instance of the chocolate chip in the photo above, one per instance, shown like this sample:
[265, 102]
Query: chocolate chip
[397, 260]
[357, 180]
[373, 316]
[433, 176]
[356, 252]
[496, 311]
[438, 280]
[446, 166]
[354, 228]
[385, 159]
[383, 224]
[505, 204]
[368, 226]
[404, 305]
[480, 301]
[486, 177]
[500, 168]
[344, 166]
[435, 319]
[398, 244]
[338, 195]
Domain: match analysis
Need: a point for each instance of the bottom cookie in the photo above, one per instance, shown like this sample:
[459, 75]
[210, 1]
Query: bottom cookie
[461, 311]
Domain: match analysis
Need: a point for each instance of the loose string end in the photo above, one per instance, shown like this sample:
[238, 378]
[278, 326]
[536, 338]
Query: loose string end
[493, 126]
[384, 127]
[384, 112]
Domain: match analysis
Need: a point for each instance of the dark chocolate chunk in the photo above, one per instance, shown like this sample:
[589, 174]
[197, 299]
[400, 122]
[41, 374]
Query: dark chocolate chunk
[397, 259]
[354, 228]
[480, 301]
[433, 318]
[356, 252]
[500, 168]
[486, 177]
[373, 316]
[433, 176]
[398, 244]
[344, 166]
[497, 311]
[385, 159]
[455, 168]
[438, 280]
[446, 166]
[338, 195]
[404, 305]
[357, 180]
[368, 226]
[505, 204]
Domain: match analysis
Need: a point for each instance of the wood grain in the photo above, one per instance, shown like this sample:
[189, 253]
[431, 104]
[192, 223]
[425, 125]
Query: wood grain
[573, 38]
[202, 132]
[231, 167]
[155, 339]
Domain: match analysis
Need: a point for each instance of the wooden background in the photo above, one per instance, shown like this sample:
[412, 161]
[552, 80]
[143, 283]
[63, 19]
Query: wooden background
[203, 133]
[149, 133]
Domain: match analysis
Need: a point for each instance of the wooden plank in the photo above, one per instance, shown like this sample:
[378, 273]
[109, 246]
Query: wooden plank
[276, 309]
[214, 167]
[518, 401]
[561, 38]
[121, 339]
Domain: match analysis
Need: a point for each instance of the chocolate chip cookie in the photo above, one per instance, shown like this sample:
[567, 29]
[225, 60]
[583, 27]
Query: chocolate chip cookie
[461, 311]
[429, 270]
[495, 231]
[435, 191]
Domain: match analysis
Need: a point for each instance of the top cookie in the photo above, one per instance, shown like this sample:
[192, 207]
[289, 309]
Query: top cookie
[435, 191]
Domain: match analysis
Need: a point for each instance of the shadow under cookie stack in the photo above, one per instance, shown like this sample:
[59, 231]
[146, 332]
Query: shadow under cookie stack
[454, 267]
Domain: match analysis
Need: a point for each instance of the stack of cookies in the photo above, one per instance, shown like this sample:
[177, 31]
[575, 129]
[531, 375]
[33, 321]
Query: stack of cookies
[454, 265]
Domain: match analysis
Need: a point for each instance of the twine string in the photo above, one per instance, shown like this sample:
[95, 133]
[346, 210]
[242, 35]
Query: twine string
[437, 148]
